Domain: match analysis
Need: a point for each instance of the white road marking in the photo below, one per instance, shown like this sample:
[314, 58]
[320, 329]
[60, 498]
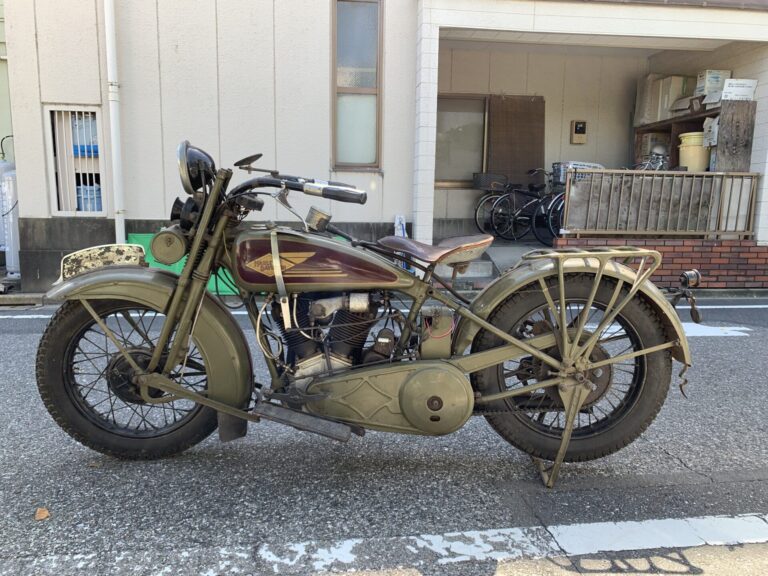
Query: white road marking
[728, 306]
[511, 543]
[692, 329]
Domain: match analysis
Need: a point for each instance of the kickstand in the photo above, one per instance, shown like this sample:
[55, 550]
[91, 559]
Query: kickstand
[572, 397]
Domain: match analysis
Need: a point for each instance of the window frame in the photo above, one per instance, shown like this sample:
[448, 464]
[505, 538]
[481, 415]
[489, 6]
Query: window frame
[463, 184]
[53, 192]
[374, 166]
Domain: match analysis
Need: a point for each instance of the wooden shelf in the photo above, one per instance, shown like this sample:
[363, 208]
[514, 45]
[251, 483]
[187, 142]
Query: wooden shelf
[734, 138]
[665, 125]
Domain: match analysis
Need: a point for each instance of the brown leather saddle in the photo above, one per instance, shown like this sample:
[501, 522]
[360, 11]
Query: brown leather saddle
[451, 251]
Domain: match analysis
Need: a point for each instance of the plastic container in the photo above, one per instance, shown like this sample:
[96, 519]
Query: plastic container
[692, 139]
[695, 158]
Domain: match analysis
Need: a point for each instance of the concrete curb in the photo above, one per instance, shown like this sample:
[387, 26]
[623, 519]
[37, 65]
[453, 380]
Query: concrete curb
[22, 299]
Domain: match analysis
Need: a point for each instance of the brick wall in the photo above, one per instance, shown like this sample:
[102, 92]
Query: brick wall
[722, 263]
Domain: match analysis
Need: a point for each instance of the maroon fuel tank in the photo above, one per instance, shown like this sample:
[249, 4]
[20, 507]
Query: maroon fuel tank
[310, 263]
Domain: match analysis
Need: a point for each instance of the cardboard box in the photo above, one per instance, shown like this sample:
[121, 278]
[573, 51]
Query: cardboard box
[711, 81]
[646, 105]
[672, 89]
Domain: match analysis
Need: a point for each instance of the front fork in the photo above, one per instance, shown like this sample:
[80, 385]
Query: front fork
[187, 297]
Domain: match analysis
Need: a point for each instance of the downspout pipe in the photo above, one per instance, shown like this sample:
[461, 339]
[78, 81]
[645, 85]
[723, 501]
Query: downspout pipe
[113, 95]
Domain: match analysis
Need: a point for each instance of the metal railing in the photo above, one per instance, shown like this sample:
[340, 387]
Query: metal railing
[656, 203]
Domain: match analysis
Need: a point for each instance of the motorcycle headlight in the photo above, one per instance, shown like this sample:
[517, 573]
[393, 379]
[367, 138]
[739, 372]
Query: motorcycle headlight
[196, 167]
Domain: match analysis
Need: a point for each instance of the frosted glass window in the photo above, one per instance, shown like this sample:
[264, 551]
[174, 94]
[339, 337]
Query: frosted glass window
[356, 53]
[460, 131]
[356, 128]
[357, 44]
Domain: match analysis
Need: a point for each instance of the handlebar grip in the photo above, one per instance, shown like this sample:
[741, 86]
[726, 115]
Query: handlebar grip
[345, 195]
[335, 193]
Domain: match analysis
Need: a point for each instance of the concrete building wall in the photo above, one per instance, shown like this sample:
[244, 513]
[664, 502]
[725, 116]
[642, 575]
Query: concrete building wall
[234, 77]
[6, 127]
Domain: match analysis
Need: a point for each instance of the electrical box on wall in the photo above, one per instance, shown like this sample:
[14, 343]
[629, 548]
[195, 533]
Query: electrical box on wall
[578, 132]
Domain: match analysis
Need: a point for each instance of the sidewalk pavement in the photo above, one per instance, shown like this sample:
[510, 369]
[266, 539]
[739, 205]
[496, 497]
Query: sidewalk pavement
[741, 560]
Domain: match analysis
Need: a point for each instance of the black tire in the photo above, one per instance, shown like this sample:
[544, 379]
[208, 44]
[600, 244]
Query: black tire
[644, 396]
[483, 213]
[539, 224]
[59, 380]
[511, 215]
[555, 214]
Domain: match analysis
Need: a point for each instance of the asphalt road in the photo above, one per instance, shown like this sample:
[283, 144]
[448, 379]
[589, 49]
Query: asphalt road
[233, 508]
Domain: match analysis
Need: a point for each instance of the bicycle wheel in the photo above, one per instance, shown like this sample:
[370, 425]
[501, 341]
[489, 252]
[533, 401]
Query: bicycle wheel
[483, 212]
[555, 214]
[511, 216]
[540, 224]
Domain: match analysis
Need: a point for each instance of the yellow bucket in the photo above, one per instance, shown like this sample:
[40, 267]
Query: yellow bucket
[692, 139]
[696, 158]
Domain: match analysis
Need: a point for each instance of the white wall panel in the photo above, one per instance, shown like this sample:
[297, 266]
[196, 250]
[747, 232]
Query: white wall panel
[69, 54]
[470, 71]
[28, 142]
[509, 72]
[141, 119]
[303, 92]
[246, 85]
[188, 81]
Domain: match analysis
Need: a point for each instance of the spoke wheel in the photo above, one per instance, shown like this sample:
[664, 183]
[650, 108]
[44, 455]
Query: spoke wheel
[483, 213]
[627, 394]
[511, 216]
[89, 386]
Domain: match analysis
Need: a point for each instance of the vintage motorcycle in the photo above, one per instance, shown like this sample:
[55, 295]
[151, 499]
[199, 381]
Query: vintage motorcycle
[569, 352]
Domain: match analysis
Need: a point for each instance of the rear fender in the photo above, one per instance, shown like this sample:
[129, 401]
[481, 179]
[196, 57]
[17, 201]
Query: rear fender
[217, 334]
[530, 271]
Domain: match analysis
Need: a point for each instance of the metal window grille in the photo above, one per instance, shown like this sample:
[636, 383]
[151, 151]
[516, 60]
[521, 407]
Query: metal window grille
[75, 162]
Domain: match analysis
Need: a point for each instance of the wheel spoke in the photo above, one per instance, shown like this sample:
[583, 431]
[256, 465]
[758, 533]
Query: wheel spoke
[102, 378]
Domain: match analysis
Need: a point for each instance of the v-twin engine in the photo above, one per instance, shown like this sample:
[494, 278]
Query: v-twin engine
[347, 319]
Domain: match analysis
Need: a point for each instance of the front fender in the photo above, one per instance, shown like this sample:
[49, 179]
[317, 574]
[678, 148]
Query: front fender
[217, 334]
[529, 272]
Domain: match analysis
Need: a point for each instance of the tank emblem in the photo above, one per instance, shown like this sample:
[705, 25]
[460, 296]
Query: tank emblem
[293, 266]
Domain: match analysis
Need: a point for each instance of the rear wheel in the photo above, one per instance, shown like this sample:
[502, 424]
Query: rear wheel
[627, 394]
[87, 384]
[483, 212]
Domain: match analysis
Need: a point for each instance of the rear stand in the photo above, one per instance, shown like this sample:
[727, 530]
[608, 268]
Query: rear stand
[572, 396]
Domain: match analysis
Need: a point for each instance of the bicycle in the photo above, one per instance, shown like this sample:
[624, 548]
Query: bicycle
[493, 192]
[513, 212]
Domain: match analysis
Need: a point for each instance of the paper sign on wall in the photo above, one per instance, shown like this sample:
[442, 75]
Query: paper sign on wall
[711, 126]
[739, 89]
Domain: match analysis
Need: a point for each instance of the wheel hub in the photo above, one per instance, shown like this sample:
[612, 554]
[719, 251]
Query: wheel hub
[120, 376]
[599, 378]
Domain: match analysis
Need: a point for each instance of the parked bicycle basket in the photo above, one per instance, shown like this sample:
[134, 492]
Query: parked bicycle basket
[560, 169]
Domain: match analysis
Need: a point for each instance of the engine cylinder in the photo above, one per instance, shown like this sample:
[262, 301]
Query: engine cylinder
[349, 331]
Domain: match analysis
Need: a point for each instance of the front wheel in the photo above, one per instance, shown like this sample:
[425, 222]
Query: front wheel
[627, 393]
[87, 384]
